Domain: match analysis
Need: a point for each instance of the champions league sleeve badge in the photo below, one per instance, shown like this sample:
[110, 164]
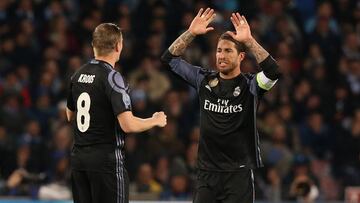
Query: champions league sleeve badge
[237, 91]
[126, 100]
[213, 82]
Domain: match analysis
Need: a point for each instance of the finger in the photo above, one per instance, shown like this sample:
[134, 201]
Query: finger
[200, 12]
[205, 12]
[211, 18]
[209, 14]
[236, 19]
[209, 29]
[235, 24]
[243, 17]
[241, 20]
[231, 34]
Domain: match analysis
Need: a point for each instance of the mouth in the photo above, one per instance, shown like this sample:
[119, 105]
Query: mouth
[222, 64]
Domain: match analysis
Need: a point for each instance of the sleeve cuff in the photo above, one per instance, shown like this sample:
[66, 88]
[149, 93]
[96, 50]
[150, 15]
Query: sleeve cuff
[167, 56]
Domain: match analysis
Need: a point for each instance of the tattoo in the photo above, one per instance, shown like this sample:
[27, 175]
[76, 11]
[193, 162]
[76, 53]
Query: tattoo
[257, 50]
[178, 47]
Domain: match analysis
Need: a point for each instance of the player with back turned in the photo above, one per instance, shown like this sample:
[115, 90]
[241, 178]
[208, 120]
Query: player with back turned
[229, 141]
[99, 108]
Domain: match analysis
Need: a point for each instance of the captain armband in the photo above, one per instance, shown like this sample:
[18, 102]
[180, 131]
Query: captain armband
[264, 82]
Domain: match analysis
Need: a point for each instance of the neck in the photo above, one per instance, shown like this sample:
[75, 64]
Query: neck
[230, 75]
[109, 59]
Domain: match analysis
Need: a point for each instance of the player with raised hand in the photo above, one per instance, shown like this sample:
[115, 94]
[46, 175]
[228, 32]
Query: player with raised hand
[229, 141]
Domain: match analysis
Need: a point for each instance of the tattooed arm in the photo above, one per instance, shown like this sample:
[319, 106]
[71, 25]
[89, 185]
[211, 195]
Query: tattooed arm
[243, 34]
[268, 77]
[257, 50]
[191, 74]
[178, 47]
[198, 26]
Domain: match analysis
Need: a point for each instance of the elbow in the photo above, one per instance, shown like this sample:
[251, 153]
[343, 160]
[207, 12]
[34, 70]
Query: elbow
[271, 68]
[273, 73]
[69, 115]
[166, 57]
[127, 122]
[127, 128]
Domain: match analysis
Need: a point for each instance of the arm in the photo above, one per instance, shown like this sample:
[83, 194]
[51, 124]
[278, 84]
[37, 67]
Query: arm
[70, 115]
[197, 27]
[257, 50]
[267, 78]
[70, 107]
[132, 124]
[190, 73]
[121, 104]
[243, 34]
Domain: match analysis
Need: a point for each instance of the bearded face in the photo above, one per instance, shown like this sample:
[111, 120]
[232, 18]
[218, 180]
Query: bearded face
[227, 57]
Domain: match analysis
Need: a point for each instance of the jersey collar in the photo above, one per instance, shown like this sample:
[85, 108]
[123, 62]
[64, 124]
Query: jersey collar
[106, 64]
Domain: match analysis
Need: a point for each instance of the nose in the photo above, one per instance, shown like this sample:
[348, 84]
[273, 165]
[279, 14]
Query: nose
[220, 55]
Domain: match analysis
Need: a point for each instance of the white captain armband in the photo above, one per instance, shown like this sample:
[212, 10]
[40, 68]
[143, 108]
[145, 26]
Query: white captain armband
[264, 82]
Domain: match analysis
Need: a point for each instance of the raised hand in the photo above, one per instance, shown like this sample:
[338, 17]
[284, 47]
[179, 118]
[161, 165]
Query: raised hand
[160, 118]
[200, 23]
[242, 28]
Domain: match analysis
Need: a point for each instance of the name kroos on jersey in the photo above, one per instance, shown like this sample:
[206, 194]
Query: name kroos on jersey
[84, 78]
[218, 108]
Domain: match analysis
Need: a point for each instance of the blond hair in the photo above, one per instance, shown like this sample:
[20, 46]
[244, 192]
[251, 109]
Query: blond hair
[105, 37]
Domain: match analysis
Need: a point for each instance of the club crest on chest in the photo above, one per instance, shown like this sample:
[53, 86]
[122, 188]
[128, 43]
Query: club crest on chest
[237, 91]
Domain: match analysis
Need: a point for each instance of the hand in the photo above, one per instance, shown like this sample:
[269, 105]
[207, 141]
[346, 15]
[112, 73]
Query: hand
[160, 118]
[201, 21]
[242, 28]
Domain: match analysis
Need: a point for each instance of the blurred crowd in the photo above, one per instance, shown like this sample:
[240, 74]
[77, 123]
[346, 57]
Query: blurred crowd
[309, 122]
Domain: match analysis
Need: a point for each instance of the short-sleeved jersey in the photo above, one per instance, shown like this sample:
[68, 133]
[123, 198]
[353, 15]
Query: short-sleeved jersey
[229, 138]
[97, 94]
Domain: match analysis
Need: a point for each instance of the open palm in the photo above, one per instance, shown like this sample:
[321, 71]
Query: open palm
[200, 23]
[242, 28]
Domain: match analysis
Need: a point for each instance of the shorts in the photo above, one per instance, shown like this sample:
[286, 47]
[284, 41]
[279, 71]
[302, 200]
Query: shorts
[98, 187]
[225, 187]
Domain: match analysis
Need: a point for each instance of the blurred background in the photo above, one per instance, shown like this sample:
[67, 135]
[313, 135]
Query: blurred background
[309, 123]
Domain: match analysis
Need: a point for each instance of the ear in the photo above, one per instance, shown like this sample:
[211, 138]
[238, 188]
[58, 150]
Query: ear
[118, 46]
[242, 56]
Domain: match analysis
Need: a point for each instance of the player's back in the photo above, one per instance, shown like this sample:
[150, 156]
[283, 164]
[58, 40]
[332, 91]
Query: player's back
[95, 122]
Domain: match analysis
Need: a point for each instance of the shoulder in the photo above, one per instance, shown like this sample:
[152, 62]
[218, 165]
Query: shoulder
[116, 81]
[249, 76]
[207, 72]
[76, 74]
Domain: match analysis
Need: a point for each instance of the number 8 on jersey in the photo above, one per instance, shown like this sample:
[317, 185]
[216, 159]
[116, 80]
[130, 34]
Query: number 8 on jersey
[83, 115]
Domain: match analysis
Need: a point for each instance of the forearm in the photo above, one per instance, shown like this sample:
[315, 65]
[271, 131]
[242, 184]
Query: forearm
[257, 50]
[132, 124]
[140, 124]
[177, 48]
[266, 62]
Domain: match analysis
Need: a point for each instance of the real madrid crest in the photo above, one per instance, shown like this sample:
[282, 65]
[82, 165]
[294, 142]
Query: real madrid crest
[237, 91]
[214, 82]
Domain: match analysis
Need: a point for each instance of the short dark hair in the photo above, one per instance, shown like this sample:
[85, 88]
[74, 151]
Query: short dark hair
[240, 47]
[105, 37]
